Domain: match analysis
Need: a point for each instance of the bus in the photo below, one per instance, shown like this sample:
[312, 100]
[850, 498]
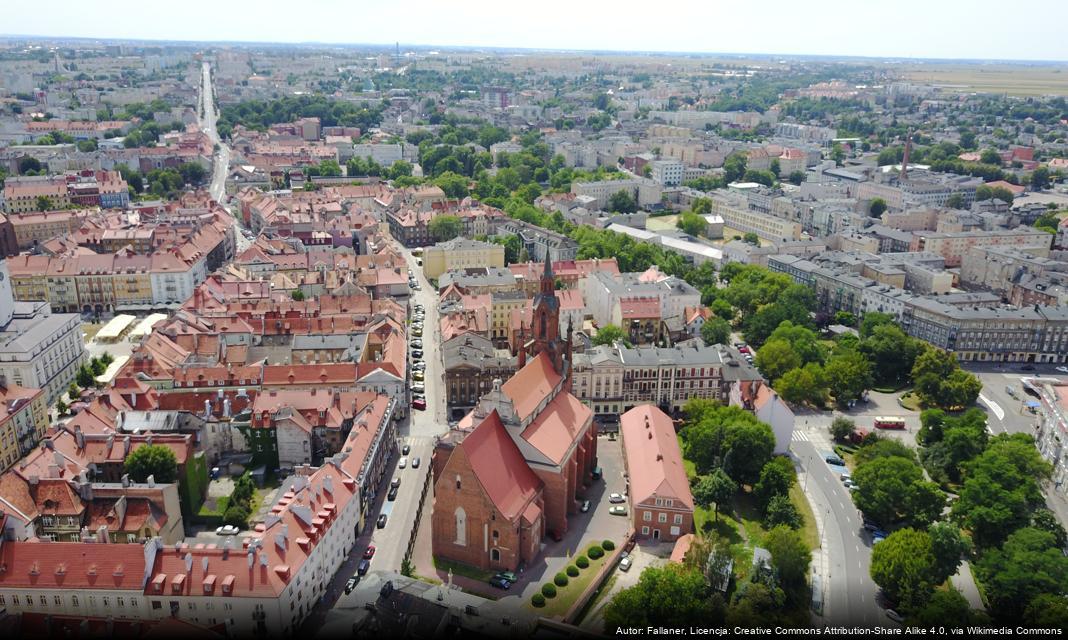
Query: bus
[889, 423]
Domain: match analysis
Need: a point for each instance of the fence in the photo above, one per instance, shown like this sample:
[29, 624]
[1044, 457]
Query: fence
[418, 516]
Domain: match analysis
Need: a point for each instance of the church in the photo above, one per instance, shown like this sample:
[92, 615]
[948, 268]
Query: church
[514, 468]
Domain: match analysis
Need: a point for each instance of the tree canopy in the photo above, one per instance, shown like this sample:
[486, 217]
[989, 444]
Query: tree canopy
[154, 460]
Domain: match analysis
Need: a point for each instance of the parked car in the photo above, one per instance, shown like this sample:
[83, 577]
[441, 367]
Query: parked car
[382, 521]
[361, 569]
[395, 482]
[417, 353]
[1062, 369]
[406, 449]
[585, 506]
[419, 376]
[616, 498]
[403, 462]
[507, 575]
[415, 462]
[351, 584]
[418, 333]
[835, 460]
[597, 473]
[392, 495]
[369, 552]
[617, 511]
[500, 583]
[625, 563]
[419, 365]
[227, 530]
[1027, 367]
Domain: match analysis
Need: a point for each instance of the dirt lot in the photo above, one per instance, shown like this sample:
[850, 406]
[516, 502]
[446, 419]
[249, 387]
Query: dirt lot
[1013, 79]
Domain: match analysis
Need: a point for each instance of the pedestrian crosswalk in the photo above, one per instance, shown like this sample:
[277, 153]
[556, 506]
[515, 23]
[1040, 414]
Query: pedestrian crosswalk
[799, 436]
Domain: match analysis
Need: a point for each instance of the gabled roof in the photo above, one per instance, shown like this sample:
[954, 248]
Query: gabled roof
[654, 460]
[500, 468]
[531, 385]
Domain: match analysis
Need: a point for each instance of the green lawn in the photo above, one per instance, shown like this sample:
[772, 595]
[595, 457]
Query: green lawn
[809, 533]
[461, 569]
[220, 507]
[911, 402]
[566, 596]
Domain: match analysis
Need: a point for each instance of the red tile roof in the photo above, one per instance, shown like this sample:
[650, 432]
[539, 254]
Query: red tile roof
[531, 385]
[653, 457]
[558, 426]
[71, 565]
[500, 468]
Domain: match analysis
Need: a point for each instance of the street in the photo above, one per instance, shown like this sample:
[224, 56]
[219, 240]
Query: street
[208, 117]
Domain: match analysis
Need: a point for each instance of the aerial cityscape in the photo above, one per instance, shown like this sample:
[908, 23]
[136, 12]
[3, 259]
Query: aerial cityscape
[532, 336]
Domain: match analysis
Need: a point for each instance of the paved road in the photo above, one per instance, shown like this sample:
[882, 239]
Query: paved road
[208, 118]
[849, 592]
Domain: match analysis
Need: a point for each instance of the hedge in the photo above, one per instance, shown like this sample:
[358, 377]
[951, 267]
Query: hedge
[572, 571]
[537, 600]
[582, 562]
[608, 545]
[548, 590]
[595, 552]
[560, 579]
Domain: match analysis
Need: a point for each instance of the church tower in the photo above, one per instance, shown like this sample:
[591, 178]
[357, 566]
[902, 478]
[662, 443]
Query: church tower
[545, 324]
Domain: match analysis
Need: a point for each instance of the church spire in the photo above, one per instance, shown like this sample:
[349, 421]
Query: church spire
[548, 281]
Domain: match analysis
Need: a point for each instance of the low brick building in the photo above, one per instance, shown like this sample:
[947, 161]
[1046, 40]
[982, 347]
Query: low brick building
[660, 499]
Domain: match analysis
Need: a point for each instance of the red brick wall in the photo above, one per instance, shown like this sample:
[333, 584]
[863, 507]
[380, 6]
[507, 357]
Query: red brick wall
[663, 527]
[480, 517]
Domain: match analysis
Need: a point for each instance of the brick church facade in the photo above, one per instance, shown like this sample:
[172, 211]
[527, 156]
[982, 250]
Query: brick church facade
[514, 469]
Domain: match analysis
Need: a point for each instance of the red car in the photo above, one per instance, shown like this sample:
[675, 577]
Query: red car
[369, 553]
[743, 349]
[419, 403]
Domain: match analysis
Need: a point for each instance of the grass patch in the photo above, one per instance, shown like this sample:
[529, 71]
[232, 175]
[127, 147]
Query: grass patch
[891, 388]
[910, 402]
[90, 330]
[809, 533]
[218, 510]
[595, 601]
[567, 595]
[687, 464]
[461, 569]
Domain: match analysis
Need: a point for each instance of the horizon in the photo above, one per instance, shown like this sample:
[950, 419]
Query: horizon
[831, 29]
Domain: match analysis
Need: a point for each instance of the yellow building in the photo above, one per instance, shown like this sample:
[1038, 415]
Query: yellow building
[131, 284]
[28, 195]
[23, 420]
[41, 226]
[461, 253]
[29, 277]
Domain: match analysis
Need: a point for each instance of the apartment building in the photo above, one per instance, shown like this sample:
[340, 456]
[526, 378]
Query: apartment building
[953, 246]
[667, 172]
[461, 253]
[605, 295]
[669, 377]
[736, 215]
[23, 420]
[657, 485]
[997, 267]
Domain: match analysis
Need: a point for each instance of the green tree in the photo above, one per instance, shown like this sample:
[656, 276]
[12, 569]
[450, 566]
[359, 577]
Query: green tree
[845, 318]
[842, 428]
[691, 223]
[749, 447]
[878, 447]
[155, 460]
[902, 566]
[892, 489]
[1028, 565]
[751, 238]
[1045, 520]
[44, 203]
[622, 202]
[671, 596]
[944, 605]
[872, 320]
[29, 166]
[1047, 611]
[734, 167]
[796, 177]
[62, 407]
[806, 385]
[848, 374]
[716, 331]
[237, 515]
[805, 342]
[1040, 178]
[609, 334]
[877, 207]
[782, 512]
[790, 559]
[85, 377]
[948, 547]
[990, 156]
[955, 201]
[297, 295]
[453, 184]
[443, 228]
[894, 352]
[715, 491]
[776, 358]
[776, 478]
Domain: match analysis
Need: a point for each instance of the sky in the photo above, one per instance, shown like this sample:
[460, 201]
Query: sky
[958, 29]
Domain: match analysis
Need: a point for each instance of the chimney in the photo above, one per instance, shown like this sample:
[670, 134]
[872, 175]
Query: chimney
[126, 446]
[79, 437]
[49, 444]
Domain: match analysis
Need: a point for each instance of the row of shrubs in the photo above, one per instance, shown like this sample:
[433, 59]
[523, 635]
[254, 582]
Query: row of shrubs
[549, 589]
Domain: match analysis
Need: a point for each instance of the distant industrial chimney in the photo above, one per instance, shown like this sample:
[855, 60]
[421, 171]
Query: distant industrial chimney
[905, 158]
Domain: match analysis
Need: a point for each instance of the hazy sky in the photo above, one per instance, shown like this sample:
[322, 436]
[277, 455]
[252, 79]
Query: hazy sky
[887, 28]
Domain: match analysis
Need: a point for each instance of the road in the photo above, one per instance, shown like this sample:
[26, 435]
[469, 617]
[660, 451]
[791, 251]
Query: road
[208, 117]
[849, 592]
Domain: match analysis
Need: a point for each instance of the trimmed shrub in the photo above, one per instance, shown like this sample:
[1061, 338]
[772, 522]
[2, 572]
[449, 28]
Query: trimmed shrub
[537, 600]
[572, 571]
[595, 552]
[560, 579]
[548, 590]
[582, 562]
[608, 545]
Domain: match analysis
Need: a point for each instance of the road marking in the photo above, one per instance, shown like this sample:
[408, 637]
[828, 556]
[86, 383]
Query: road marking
[799, 436]
[993, 406]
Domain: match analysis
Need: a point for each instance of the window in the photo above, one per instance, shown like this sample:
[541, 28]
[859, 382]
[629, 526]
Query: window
[495, 555]
[461, 527]
[56, 600]
[14, 600]
[678, 518]
[107, 601]
[647, 516]
[120, 602]
[133, 603]
[457, 482]
[645, 531]
[662, 517]
[2, 601]
[74, 601]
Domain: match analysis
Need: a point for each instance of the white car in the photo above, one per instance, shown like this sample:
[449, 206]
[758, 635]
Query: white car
[616, 498]
[1062, 369]
[624, 563]
[227, 530]
[403, 462]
